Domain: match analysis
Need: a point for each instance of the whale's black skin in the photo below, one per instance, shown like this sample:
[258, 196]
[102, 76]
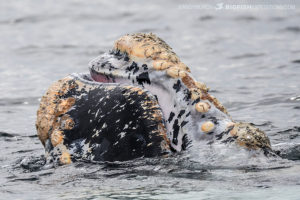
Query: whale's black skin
[119, 115]
[111, 122]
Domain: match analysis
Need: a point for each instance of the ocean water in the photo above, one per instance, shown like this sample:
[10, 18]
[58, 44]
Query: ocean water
[250, 58]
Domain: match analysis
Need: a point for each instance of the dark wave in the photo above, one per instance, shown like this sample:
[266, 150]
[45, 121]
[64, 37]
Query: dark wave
[292, 29]
[296, 61]
[246, 18]
[290, 152]
[19, 101]
[206, 18]
[294, 129]
[247, 55]
[9, 135]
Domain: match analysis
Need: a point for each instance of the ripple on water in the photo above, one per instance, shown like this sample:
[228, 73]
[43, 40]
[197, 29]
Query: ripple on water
[206, 18]
[246, 18]
[296, 61]
[19, 101]
[296, 98]
[292, 29]
[9, 135]
[247, 55]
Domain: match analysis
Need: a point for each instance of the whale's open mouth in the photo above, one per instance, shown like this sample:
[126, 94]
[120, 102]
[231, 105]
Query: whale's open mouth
[119, 72]
[110, 67]
[102, 77]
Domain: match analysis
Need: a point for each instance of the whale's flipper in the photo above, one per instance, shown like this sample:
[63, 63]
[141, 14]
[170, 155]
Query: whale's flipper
[78, 118]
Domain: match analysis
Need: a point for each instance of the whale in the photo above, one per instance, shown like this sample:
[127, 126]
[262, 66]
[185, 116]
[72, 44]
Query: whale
[138, 100]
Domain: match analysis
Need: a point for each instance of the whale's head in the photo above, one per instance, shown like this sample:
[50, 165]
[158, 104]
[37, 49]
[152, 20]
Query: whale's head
[137, 58]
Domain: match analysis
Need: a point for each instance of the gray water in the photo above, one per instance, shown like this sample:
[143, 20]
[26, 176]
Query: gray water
[250, 58]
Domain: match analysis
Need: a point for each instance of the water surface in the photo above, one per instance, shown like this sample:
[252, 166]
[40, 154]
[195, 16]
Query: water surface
[249, 58]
